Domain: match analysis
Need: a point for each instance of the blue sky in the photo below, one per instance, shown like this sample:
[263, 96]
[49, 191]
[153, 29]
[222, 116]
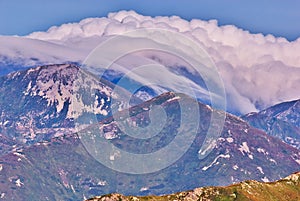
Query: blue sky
[277, 17]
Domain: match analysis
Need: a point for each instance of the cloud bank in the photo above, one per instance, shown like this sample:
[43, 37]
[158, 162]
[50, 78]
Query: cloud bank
[258, 71]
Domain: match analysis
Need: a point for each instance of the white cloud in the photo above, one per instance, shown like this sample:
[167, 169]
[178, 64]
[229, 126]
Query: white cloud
[258, 71]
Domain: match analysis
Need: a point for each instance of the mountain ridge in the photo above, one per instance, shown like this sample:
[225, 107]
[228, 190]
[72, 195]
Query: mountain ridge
[287, 189]
[72, 172]
[281, 120]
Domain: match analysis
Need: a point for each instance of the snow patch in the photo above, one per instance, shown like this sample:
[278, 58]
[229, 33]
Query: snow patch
[144, 189]
[5, 123]
[246, 172]
[173, 99]
[19, 183]
[27, 91]
[220, 139]
[272, 160]
[215, 161]
[260, 169]
[208, 107]
[72, 187]
[261, 150]
[244, 148]
[265, 179]
[2, 195]
[212, 145]
[102, 183]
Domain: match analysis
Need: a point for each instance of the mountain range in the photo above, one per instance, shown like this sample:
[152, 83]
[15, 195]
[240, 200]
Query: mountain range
[252, 83]
[45, 157]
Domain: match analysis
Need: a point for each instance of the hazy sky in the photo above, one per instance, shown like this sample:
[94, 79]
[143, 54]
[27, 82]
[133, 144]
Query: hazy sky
[277, 17]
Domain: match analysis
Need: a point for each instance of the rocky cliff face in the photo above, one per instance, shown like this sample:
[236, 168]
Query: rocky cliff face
[38, 104]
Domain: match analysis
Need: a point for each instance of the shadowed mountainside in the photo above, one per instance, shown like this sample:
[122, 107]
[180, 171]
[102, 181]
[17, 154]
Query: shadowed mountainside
[287, 189]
